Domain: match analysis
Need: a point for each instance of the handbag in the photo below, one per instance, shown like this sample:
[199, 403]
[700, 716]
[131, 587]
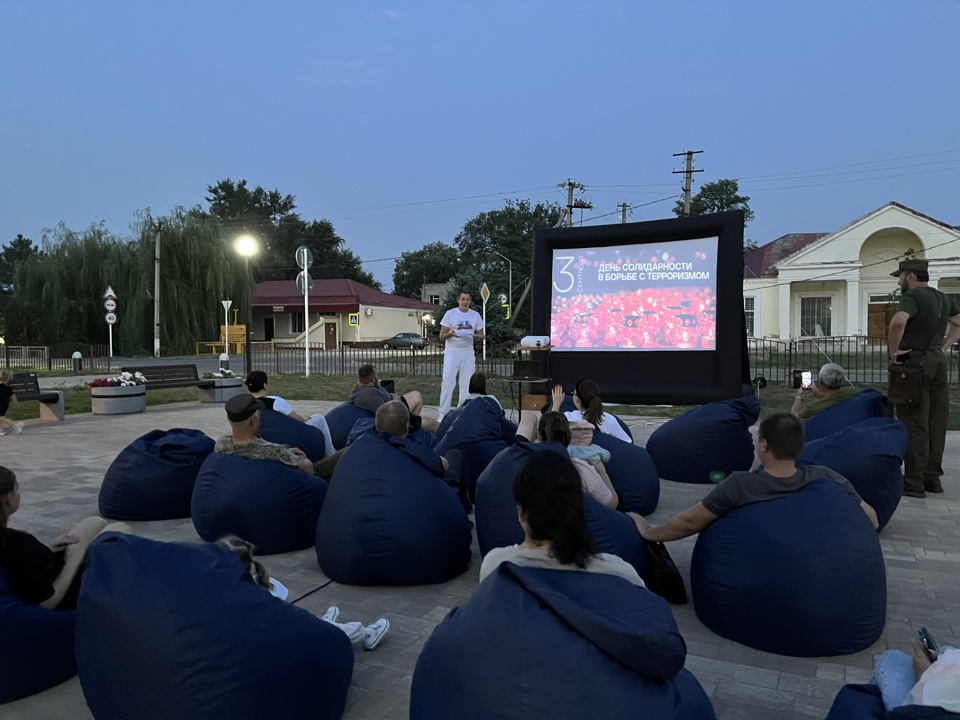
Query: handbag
[905, 383]
[663, 578]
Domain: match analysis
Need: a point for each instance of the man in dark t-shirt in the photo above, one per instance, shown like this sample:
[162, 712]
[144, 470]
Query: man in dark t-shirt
[779, 442]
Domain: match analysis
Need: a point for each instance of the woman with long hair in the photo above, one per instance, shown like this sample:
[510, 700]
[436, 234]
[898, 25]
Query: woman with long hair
[586, 398]
[44, 575]
[478, 389]
[258, 383]
[550, 508]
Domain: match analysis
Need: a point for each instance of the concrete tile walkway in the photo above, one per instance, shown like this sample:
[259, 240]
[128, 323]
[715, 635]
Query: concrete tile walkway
[61, 465]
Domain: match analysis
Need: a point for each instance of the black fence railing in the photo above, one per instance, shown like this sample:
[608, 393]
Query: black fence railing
[93, 358]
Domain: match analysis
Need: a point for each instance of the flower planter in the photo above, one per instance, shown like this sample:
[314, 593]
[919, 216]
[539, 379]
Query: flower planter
[223, 390]
[120, 400]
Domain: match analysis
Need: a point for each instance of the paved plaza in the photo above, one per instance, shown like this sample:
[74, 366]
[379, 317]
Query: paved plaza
[60, 467]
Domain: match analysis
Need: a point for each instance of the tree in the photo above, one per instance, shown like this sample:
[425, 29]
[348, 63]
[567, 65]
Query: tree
[18, 251]
[433, 263]
[714, 197]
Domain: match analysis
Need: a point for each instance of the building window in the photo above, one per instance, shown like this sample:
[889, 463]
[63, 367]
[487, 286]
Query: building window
[296, 323]
[749, 304]
[888, 298]
[815, 316]
[435, 299]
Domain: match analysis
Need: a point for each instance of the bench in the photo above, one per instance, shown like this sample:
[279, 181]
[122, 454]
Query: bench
[170, 376]
[25, 386]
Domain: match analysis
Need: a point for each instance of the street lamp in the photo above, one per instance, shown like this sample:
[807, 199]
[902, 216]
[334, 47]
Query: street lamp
[247, 247]
[509, 281]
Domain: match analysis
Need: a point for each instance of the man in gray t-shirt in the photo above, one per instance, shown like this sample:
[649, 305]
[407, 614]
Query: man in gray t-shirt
[779, 442]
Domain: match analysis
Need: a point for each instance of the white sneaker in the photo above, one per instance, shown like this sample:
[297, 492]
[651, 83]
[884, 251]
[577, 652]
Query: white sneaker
[373, 634]
[18, 427]
[331, 615]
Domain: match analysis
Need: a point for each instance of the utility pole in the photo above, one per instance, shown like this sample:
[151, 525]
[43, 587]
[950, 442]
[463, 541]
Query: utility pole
[623, 212]
[572, 204]
[156, 294]
[688, 180]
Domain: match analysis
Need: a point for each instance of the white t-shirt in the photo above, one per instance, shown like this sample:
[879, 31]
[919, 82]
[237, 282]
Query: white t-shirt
[592, 483]
[610, 426]
[540, 558]
[281, 405]
[464, 324]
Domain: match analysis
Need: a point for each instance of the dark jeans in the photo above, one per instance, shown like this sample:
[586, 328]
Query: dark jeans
[927, 427]
[455, 477]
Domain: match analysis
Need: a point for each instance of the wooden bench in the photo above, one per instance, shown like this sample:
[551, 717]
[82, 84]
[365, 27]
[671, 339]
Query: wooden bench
[25, 387]
[170, 376]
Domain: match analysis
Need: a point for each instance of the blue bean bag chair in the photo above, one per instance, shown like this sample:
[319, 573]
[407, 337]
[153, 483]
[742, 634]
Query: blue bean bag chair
[535, 643]
[633, 474]
[705, 442]
[480, 431]
[869, 455]
[387, 520]
[152, 478]
[341, 420]
[801, 575]
[37, 645]
[864, 702]
[168, 630]
[448, 421]
[496, 511]
[865, 405]
[265, 502]
[278, 428]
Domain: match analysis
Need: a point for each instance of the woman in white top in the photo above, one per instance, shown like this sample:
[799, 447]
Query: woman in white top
[258, 384]
[478, 388]
[550, 507]
[586, 398]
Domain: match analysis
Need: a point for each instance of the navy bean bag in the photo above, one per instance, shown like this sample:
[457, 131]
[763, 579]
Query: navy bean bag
[496, 511]
[278, 428]
[152, 478]
[341, 420]
[272, 505]
[865, 405]
[37, 645]
[801, 575]
[535, 643]
[447, 422]
[869, 455]
[864, 702]
[387, 520]
[480, 431]
[713, 438]
[633, 474]
[168, 630]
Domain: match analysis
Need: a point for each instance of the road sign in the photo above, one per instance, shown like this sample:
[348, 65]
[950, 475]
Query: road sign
[109, 293]
[354, 319]
[485, 293]
[304, 257]
[304, 278]
[503, 298]
[111, 318]
[110, 304]
[226, 304]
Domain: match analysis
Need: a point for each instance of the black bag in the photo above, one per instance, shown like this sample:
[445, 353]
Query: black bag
[905, 384]
[663, 578]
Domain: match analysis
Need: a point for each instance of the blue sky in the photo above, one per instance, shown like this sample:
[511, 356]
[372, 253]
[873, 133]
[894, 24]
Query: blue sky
[369, 113]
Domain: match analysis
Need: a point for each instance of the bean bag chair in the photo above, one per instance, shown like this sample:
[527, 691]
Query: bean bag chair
[278, 428]
[801, 575]
[37, 645]
[865, 405]
[480, 431]
[869, 455]
[341, 420]
[864, 702]
[711, 439]
[496, 511]
[265, 502]
[536, 643]
[568, 406]
[152, 478]
[633, 474]
[387, 520]
[448, 421]
[167, 630]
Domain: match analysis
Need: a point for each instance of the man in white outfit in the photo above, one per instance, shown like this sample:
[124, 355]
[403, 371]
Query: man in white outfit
[459, 329]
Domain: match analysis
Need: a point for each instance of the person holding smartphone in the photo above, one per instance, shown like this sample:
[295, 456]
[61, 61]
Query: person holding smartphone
[930, 677]
[833, 388]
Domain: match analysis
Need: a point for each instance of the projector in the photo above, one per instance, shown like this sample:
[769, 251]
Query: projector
[534, 341]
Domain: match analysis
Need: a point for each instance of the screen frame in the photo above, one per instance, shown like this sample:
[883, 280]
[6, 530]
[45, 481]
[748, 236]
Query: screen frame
[676, 377]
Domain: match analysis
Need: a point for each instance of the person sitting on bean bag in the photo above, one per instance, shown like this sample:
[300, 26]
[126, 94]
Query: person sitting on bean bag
[779, 443]
[369, 395]
[586, 398]
[477, 389]
[831, 390]
[930, 677]
[258, 384]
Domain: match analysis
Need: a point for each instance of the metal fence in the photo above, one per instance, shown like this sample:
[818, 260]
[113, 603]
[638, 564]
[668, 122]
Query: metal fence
[94, 358]
[864, 361]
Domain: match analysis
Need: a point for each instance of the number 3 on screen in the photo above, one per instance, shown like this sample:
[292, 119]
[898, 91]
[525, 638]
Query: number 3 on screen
[564, 271]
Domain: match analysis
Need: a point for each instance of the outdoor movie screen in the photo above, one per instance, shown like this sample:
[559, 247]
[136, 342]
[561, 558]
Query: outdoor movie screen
[643, 297]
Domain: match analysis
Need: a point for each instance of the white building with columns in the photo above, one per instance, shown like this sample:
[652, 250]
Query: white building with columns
[839, 284]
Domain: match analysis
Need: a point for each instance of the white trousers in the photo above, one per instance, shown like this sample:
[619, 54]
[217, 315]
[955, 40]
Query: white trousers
[320, 423]
[356, 631]
[462, 362]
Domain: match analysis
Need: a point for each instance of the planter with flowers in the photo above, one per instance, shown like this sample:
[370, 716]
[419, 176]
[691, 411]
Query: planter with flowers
[225, 385]
[121, 395]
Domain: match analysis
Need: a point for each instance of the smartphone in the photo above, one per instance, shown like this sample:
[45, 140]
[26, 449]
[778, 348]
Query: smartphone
[929, 644]
[806, 379]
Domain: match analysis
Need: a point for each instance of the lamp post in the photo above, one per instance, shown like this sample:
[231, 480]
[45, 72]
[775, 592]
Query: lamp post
[509, 281]
[246, 246]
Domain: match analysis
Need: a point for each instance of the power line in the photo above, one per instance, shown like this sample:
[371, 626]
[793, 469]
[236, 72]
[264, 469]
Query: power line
[860, 164]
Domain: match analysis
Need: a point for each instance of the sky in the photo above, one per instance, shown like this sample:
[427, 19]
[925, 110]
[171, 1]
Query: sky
[400, 121]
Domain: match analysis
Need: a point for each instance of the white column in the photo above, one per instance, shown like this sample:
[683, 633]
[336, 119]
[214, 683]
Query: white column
[785, 310]
[853, 308]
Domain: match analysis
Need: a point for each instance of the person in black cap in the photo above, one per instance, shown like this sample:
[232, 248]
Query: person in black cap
[917, 337]
[243, 412]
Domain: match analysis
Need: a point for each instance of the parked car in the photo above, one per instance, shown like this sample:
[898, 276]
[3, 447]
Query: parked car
[405, 340]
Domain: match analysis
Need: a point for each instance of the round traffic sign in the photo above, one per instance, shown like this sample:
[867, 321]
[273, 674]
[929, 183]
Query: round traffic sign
[304, 257]
[111, 318]
[304, 279]
[110, 304]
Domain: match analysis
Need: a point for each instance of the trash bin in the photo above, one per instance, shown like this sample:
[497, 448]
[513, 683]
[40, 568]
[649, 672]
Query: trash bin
[77, 362]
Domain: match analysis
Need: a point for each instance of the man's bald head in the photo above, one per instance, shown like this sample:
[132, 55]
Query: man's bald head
[393, 418]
